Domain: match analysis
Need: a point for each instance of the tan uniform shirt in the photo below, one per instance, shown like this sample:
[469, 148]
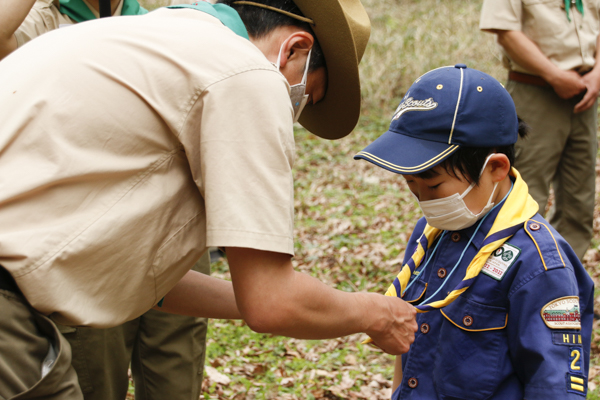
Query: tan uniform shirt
[569, 45]
[45, 17]
[136, 149]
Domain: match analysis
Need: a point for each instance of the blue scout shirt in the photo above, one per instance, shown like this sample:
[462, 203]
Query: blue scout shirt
[512, 334]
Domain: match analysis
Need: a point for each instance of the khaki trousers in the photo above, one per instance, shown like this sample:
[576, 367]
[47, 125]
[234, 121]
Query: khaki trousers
[166, 353]
[27, 341]
[560, 150]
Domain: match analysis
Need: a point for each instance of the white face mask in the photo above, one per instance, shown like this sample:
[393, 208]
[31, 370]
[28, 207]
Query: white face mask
[297, 92]
[451, 213]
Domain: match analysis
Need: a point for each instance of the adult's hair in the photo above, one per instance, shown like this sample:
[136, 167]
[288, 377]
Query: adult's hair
[260, 22]
[467, 162]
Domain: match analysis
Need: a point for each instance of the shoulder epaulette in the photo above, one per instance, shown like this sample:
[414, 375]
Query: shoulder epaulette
[546, 244]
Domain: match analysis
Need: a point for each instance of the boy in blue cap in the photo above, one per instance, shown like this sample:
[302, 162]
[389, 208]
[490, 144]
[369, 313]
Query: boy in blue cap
[506, 308]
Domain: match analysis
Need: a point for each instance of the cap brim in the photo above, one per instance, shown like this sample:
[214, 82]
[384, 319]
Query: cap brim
[336, 115]
[405, 155]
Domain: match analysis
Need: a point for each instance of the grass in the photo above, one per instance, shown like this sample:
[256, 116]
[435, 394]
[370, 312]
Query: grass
[352, 219]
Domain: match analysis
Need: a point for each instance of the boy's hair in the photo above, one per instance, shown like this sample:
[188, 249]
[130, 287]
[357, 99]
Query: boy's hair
[467, 162]
[260, 22]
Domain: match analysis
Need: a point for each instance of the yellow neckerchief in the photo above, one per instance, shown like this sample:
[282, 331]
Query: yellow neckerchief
[517, 209]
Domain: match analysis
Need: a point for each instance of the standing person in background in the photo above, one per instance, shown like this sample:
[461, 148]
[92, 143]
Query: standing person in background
[23, 20]
[554, 79]
[166, 351]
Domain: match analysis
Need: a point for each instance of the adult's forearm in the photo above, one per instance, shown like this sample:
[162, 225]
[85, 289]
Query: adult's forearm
[12, 16]
[526, 53]
[273, 297]
[305, 308]
[199, 295]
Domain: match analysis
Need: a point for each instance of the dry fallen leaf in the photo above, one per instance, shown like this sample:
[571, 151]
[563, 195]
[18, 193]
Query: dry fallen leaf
[215, 376]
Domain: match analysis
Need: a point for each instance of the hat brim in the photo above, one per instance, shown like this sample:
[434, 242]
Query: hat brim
[342, 32]
[405, 155]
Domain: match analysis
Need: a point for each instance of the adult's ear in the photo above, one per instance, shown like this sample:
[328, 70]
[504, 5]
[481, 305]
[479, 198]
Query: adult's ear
[295, 48]
[499, 166]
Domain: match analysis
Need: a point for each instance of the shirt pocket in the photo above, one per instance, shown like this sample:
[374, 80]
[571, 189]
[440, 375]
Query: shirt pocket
[416, 292]
[473, 343]
[545, 22]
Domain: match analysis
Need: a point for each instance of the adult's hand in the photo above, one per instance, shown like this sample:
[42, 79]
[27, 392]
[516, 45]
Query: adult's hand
[396, 334]
[592, 83]
[274, 298]
[566, 84]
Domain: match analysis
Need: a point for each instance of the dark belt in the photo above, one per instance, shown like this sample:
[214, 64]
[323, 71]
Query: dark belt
[528, 79]
[7, 282]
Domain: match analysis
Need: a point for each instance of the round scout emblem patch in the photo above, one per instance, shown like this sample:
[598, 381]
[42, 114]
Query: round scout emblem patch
[507, 255]
[562, 313]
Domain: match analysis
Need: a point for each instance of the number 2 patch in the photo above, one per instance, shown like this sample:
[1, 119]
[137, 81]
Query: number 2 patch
[575, 357]
[576, 382]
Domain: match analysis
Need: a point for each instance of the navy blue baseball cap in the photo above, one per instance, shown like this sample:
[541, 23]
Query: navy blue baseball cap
[444, 109]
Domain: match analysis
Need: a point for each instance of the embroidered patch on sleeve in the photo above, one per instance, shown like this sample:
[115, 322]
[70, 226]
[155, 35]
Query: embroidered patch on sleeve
[500, 261]
[566, 338]
[562, 313]
[575, 355]
[576, 384]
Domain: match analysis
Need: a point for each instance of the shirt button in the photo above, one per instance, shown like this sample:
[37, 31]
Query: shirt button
[441, 273]
[413, 383]
[455, 237]
[468, 320]
[534, 227]
[424, 328]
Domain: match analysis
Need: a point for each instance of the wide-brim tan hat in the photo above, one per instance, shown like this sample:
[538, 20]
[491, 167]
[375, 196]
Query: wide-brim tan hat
[342, 28]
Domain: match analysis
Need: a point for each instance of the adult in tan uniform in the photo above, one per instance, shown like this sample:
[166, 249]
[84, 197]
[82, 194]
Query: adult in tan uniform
[166, 351]
[158, 136]
[550, 49]
[23, 20]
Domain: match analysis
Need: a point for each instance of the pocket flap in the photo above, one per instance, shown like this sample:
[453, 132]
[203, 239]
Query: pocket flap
[475, 317]
[416, 292]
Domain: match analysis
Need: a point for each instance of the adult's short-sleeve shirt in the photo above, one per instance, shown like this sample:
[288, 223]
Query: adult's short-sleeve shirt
[568, 44]
[146, 140]
[45, 17]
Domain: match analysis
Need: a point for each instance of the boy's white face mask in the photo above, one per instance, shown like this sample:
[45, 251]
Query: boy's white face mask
[451, 213]
[297, 92]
